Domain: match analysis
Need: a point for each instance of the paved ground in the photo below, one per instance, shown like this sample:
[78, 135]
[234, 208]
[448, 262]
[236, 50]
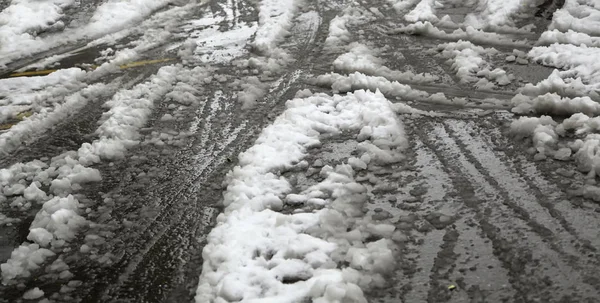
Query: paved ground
[477, 211]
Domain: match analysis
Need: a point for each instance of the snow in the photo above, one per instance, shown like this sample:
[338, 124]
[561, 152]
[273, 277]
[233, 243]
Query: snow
[341, 83]
[469, 33]
[362, 58]
[552, 103]
[60, 218]
[33, 294]
[580, 61]
[38, 123]
[274, 20]
[23, 260]
[22, 19]
[570, 47]
[568, 37]
[579, 16]
[114, 15]
[21, 93]
[339, 32]
[212, 45]
[494, 14]
[111, 16]
[466, 58]
[402, 5]
[424, 11]
[254, 248]
[356, 80]
[128, 112]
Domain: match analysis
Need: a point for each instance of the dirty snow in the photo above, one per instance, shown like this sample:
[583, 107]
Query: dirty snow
[247, 255]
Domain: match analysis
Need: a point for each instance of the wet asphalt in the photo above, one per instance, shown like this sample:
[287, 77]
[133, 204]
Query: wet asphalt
[478, 213]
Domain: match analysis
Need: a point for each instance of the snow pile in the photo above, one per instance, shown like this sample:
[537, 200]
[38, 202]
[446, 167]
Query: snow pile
[568, 37]
[23, 260]
[575, 88]
[497, 14]
[114, 15]
[540, 129]
[40, 122]
[129, 111]
[582, 134]
[341, 84]
[256, 252]
[552, 103]
[111, 16]
[467, 61]
[581, 16]
[339, 34]
[56, 221]
[469, 33]
[424, 11]
[20, 94]
[22, 19]
[469, 65]
[33, 294]
[581, 61]
[362, 59]
[274, 21]
[403, 5]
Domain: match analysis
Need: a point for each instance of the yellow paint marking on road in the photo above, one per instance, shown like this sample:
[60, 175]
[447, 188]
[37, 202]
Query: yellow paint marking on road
[33, 73]
[23, 115]
[124, 66]
[20, 116]
[145, 62]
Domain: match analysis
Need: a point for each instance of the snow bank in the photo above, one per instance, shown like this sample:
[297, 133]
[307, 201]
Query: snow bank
[255, 252]
[23, 260]
[338, 32]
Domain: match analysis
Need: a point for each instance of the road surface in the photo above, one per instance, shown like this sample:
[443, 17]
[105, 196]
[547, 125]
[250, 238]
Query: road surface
[140, 139]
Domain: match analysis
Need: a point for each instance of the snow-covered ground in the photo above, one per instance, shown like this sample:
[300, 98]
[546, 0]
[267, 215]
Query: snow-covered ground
[298, 150]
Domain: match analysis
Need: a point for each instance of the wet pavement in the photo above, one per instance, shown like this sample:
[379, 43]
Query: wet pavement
[477, 212]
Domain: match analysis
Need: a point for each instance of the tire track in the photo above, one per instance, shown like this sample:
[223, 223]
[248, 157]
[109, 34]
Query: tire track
[500, 224]
[538, 210]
